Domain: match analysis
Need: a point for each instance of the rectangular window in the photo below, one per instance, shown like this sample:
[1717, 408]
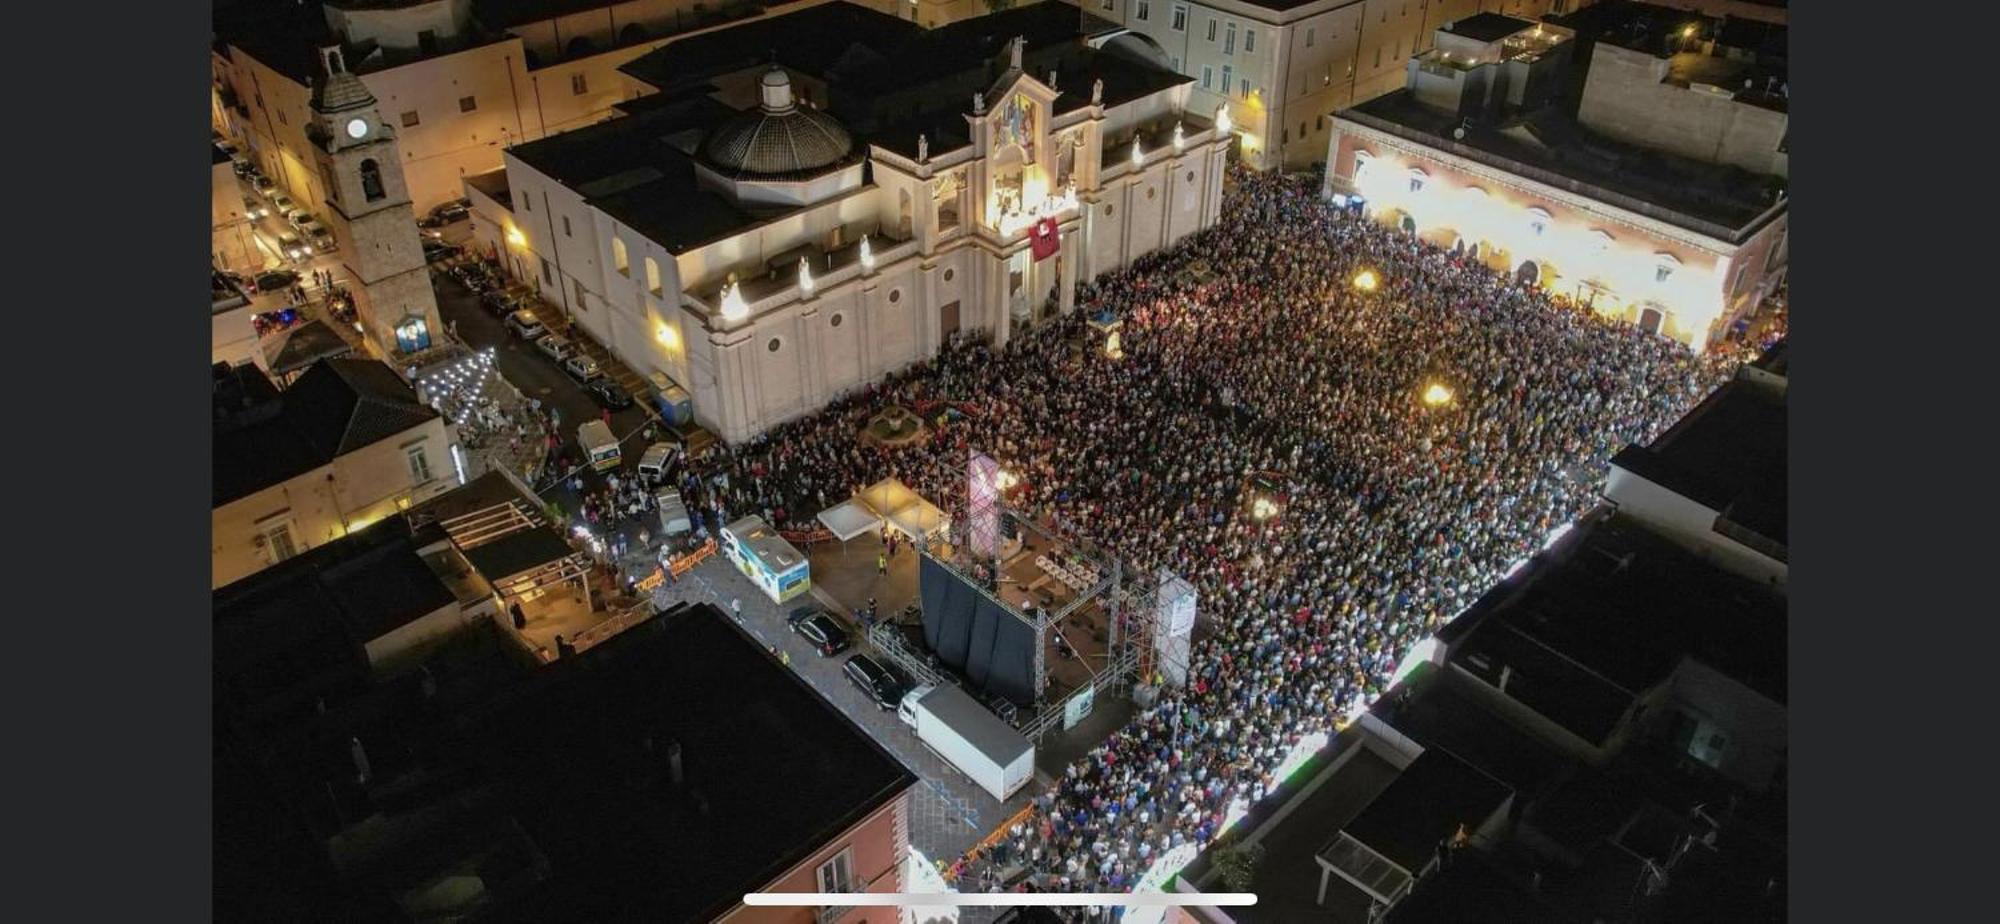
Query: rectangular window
[1249, 39]
[410, 119]
[1177, 63]
[1309, 37]
[1226, 83]
[1211, 28]
[1180, 17]
[837, 874]
[467, 104]
[1246, 88]
[420, 465]
[427, 40]
[1107, 3]
[578, 85]
[1397, 55]
[278, 542]
[1229, 38]
[619, 258]
[1207, 77]
[548, 273]
[1661, 272]
[652, 277]
[1378, 56]
[566, 226]
[577, 284]
[1145, 10]
[281, 118]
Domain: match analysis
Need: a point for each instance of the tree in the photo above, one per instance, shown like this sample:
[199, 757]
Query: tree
[1237, 865]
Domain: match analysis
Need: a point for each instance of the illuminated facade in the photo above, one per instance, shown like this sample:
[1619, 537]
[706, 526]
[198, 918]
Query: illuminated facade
[981, 214]
[1676, 246]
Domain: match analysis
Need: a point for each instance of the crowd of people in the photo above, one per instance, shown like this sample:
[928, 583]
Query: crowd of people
[1248, 351]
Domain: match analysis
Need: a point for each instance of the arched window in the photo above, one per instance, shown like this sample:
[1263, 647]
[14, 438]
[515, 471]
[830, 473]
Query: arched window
[1538, 221]
[1600, 240]
[1361, 161]
[1417, 178]
[371, 181]
[1664, 265]
[619, 258]
[653, 277]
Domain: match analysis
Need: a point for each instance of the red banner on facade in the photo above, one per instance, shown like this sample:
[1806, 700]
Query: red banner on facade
[1046, 239]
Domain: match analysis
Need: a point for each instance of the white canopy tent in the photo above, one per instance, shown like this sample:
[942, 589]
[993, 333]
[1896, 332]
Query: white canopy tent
[894, 504]
[849, 519]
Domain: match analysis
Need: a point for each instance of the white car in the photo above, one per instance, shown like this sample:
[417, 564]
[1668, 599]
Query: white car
[556, 347]
[293, 247]
[525, 325]
[252, 209]
[582, 367]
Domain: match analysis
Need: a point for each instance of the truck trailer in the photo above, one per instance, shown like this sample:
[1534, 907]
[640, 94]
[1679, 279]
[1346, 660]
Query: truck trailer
[954, 725]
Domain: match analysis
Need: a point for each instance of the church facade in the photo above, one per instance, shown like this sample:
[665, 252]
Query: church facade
[767, 261]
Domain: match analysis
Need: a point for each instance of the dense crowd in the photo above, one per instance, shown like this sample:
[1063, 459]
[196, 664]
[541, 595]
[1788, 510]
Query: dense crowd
[1248, 350]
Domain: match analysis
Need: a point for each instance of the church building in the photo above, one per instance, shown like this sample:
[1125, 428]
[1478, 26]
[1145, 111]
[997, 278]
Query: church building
[810, 201]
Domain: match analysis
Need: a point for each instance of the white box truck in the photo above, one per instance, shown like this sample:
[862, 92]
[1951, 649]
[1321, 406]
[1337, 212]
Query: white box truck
[954, 725]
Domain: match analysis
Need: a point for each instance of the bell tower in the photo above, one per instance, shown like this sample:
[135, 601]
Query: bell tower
[369, 211]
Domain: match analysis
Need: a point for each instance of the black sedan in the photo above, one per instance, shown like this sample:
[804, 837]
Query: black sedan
[819, 629]
[876, 679]
[608, 393]
[276, 280]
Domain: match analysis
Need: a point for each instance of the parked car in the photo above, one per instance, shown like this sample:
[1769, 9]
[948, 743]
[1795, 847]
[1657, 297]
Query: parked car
[447, 213]
[253, 209]
[525, 325]
[819, 630]
[228, 148]
[276, 280]
[320, 238]
[556, 347]
[500, 301]
[293, 246]
[608, 393]
[581, 367]
[312, 228]
[242, 167]
[297, 218]
[438, 250]
[283, 205]
[876, 680]
[263, 183]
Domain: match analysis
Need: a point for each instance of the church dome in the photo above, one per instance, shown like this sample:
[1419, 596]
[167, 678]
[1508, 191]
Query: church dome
[779, 137]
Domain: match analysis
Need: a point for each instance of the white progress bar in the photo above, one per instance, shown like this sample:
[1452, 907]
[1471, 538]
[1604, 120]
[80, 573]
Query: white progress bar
[1000, 899]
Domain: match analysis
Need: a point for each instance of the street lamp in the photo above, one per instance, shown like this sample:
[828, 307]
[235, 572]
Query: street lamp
[1263, 508]
[1180, 141]
[1437, 395]
[1365, 281]
[1138, 156]
[734, 308]
[805, 278]
[867, 256]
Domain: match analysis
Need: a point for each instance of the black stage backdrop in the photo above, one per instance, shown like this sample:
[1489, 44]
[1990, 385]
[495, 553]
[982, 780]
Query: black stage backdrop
[976, 636]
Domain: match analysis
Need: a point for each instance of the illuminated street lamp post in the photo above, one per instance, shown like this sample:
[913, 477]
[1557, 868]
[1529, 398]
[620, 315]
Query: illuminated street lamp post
[1437, 395]
[1366, 281]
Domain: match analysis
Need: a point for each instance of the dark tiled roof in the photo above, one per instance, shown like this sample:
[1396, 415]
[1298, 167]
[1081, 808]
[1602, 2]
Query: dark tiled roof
[1425, 805]
[500, 14]
[1487, 27]
[335, 408]
[508, 556]
[1609, 614]
[372, 580]
[306, 344]
[1728, 454]
[772, 772]
[1714, 199]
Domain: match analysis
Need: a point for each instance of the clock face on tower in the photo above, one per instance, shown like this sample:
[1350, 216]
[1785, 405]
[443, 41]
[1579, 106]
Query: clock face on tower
[357, 128]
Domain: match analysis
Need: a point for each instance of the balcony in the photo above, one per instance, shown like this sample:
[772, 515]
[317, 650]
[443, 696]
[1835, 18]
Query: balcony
[1116, 156]
[777, 284]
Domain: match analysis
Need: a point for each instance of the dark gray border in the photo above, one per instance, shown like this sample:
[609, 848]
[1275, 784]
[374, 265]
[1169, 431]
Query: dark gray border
[1890, 631]
[111, 629]
[108, 220]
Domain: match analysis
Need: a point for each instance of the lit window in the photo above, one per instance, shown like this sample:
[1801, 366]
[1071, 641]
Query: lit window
[278, 542]
[619, 258]
[420, 466]
[652, 277]
[837, 874]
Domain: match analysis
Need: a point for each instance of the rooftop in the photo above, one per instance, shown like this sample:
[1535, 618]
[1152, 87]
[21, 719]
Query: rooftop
[493, 185]
[1426, 804]
[263, 437]
[287, 37]
[374, 579]
[1487, 27]
[1609, 613]
[1436, 713]
[1721, 201]
[1728, 454]
[772, 771]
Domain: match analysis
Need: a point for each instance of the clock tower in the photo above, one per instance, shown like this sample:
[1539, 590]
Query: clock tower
[369, 210]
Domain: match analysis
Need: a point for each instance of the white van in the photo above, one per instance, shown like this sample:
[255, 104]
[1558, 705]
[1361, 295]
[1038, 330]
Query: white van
[597, 442]
[654, 461]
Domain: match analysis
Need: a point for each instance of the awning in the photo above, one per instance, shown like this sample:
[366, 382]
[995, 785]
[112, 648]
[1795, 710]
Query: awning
[904, 509]
[849, 519]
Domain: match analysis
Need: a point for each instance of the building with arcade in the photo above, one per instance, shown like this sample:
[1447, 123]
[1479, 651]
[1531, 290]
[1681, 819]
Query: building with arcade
[1654, 194]
[807, 202]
